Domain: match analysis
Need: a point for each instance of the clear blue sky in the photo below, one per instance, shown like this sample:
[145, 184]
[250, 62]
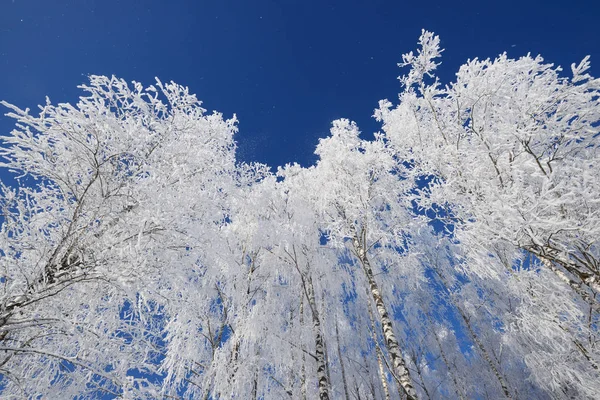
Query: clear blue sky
[287, 68]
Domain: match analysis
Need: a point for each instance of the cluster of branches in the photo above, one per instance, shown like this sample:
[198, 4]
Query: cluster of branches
[453, 256]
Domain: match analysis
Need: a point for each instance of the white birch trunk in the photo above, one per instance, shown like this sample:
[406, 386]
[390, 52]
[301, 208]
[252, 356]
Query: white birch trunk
[382, 377]
[319, 343]
[303, 369]
[400, 369]
[342, 368]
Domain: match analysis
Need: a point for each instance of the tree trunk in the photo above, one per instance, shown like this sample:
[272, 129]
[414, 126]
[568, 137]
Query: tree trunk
[382, 377]
[369, 375]
[321, 314]
[475, 338]
[485, 354]
[446, 361]
[420, 374]
[255, 386]
[400, 369]
[319, 343]
[303, 369]
[342, 368]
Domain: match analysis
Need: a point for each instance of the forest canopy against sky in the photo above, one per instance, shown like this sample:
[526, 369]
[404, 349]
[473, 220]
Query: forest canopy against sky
[285, 68]
[444, 245]
[454, 255]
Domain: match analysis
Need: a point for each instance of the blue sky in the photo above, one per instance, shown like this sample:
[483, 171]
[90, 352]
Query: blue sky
[287, 68]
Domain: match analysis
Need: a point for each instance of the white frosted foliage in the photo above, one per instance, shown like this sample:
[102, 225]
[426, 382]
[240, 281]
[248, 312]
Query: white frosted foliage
[455, 255]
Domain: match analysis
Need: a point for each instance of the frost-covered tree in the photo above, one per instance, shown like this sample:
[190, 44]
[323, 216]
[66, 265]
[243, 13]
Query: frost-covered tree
[513, 147]
[510, 151]
[357, 193]
[454, 255]
[120, 196]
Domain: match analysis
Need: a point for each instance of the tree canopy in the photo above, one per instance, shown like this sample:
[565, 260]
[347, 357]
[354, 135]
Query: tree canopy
[455, 255]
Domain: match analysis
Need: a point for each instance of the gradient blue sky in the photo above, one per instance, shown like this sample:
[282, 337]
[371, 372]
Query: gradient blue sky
[287, 68]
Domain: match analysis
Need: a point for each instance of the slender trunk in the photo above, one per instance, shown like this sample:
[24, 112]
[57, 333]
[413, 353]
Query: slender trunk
[445, 359]
[319, 343]
[235, 356]
[309, 291]
[369, 375]
[400, 369]
[420, 375]
[382, 377]
[255, 386]
[233, 361]
[292, 373]
[484, 353]
[384, 383]
[321, 314]
[357, 390]
[303, 369]
[342, 368]
[475, 338]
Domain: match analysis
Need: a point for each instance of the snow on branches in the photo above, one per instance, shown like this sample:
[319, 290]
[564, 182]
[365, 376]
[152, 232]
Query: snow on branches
[453, 256]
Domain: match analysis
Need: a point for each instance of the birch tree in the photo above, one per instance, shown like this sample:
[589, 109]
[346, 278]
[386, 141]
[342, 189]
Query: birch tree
[510, 151]
[103, 228]
[356, 193]
[513, 146]
[454, 255]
